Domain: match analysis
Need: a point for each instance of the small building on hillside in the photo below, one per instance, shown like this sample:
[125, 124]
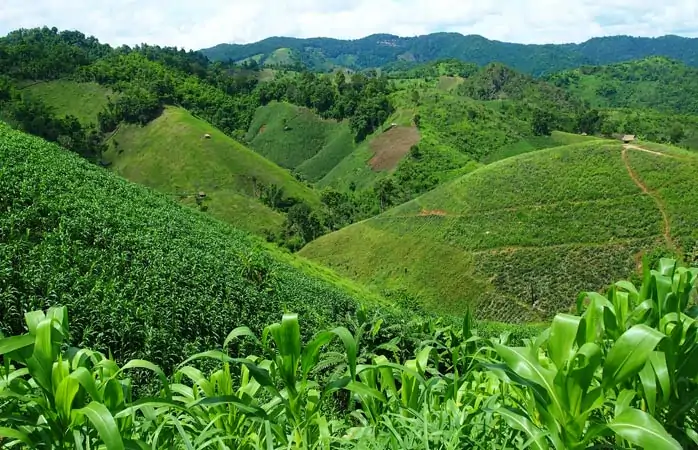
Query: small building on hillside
[207, 136]
[628, 138]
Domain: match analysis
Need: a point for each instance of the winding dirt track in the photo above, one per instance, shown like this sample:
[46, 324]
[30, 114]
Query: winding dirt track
[657, 199]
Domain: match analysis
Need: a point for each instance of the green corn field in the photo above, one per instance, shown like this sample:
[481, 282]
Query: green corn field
[622, 373]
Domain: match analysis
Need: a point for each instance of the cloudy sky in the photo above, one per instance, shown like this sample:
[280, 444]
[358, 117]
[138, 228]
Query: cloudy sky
[204, 23]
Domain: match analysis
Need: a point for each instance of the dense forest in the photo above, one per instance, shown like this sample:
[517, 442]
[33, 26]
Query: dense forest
[383, 49]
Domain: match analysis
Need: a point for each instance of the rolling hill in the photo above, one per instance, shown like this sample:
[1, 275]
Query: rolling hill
[514, 240]
[172, 155]
[382, 49]
[141, 275]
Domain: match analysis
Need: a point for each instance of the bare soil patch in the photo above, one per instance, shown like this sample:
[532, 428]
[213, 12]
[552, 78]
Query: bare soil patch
[390, 147]
[433, 212]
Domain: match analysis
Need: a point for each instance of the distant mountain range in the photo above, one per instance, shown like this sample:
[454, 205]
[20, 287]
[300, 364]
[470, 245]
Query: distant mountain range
[380, 50]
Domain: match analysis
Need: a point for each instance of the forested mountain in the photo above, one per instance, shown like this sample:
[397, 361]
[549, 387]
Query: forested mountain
[382, 49]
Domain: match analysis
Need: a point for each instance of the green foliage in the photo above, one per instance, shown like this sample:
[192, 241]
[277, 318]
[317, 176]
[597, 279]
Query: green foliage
[617, 375]
[656, 83]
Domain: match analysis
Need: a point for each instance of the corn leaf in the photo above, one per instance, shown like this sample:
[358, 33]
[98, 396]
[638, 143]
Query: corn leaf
[639, 428]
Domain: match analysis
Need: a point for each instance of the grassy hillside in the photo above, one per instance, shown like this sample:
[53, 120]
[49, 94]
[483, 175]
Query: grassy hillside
[296, 138]
[171, 155]
[141, 275]
[516, 238]
[82, 100]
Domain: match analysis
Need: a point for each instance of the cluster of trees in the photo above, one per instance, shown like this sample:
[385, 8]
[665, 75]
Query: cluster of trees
[35, 117]
[146, 86]
[363, 99]
[47, 54]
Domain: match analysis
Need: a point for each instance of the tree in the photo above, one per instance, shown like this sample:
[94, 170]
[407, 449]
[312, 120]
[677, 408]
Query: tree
[417, 119]
[541, 123]
[589, 121]
[385, 189]
[676, 134]
[415, 97]
[302, 220]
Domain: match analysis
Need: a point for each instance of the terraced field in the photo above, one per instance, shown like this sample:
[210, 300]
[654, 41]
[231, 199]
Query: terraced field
[515, 239]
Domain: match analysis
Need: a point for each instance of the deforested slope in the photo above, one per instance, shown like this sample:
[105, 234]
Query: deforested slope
[516, 240]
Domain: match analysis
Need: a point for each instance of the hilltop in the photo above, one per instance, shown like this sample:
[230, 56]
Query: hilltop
[379, 50]
[514, 240]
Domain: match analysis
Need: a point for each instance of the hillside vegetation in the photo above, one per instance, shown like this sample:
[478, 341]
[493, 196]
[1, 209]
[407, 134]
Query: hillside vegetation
[489, 239]
[143, 277]
[82, 100]
[656, 83]
[383, 49]
[296, 138]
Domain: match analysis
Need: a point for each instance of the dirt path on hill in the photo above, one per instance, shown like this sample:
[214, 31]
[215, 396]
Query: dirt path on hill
[657, 199]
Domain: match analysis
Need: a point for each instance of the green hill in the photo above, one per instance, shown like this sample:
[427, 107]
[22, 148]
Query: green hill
[515, 240]
[82, 100]
[172, 155]
[298, 139]
[142, 276]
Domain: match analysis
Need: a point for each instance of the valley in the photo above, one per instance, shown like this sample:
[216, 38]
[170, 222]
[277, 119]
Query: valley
[316, 243]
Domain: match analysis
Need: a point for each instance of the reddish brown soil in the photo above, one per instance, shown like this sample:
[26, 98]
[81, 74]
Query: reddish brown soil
[390, 147]
[433, 212]
[262, 129]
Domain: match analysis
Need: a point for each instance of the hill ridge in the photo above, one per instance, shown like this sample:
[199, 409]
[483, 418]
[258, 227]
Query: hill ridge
[537, 59]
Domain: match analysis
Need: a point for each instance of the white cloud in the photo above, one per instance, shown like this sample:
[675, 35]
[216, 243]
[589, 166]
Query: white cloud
[204, 23]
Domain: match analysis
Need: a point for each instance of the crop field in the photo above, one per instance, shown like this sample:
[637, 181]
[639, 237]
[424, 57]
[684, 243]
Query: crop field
[82, 100]
[172, 155]
[479, 240]
[142, 275]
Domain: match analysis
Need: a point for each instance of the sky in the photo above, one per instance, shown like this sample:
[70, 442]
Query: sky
[205, 23]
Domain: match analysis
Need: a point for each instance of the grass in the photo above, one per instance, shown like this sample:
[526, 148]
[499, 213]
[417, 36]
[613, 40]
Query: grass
[171, 155]
[298, 139]
[533, 143]
[82, 100]
[476, 241]
[281, 57]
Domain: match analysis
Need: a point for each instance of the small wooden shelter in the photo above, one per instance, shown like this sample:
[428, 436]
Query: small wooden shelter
[207, 136]
[628, 138]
